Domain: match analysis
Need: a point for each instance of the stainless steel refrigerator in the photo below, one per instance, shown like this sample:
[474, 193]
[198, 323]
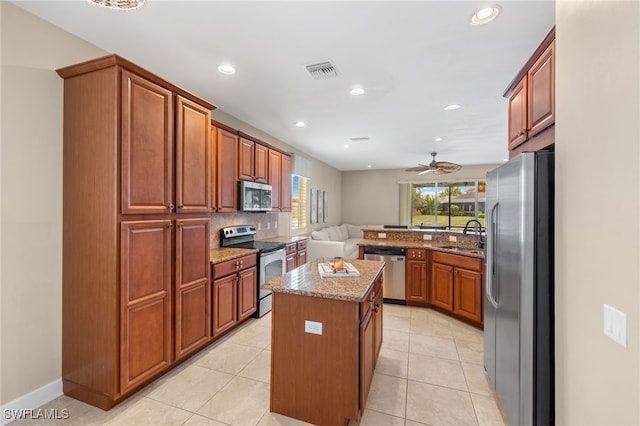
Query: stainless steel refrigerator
[519, 285]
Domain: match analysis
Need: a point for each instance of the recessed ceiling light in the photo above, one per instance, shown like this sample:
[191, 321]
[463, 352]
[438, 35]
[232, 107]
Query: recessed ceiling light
[505, 159]
[300, 124]
[369, 166]
[485, 15]
[119, 4]
[452, 107]
[346, 146]
[357, 91]
[227, 69]
[438, 139]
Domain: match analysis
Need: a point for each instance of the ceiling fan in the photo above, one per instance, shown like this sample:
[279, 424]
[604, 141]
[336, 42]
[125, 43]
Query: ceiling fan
[437, 167]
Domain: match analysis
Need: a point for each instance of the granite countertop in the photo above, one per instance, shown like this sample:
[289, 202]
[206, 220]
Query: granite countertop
[222, 254]
[431, 245]
[305, 280]
[287, 240]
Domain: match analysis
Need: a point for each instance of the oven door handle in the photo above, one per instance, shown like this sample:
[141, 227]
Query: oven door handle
[273, 252]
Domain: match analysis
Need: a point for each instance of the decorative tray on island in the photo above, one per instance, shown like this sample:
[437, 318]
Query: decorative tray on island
[326, 270]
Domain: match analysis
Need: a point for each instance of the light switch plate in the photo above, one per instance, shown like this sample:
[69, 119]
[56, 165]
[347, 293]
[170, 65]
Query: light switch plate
[382, 235]
[427, 237]
[313, 327]
[453, 238]
[615, 325]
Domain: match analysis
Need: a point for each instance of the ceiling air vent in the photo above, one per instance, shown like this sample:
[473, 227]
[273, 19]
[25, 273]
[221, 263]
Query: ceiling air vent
[322, 70]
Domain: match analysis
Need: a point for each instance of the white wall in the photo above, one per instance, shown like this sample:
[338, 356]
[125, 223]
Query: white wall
[31, 173]
[598, 202]
[371, 197]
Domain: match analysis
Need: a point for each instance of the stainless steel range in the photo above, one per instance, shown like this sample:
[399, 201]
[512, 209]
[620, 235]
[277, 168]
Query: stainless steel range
[272, 260]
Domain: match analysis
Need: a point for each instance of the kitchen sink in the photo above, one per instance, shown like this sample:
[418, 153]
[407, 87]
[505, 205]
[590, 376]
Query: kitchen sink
[463, 249]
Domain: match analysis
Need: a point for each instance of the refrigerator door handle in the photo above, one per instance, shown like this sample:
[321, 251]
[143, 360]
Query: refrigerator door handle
[491, 250]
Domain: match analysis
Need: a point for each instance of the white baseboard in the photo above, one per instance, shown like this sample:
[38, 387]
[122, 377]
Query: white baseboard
[31, 400]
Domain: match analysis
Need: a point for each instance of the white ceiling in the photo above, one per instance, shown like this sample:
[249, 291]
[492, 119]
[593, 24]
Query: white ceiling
[413, 58]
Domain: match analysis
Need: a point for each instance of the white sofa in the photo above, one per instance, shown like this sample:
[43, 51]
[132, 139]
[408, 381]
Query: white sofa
[333, 241]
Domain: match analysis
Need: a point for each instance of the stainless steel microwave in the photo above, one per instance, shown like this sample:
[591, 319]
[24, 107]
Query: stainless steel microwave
[254, 196]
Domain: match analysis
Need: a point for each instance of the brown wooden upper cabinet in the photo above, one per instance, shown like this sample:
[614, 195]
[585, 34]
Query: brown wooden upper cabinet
[531, 103]
[224, 176]
[275, 179]
[158, 128]
[252, 161]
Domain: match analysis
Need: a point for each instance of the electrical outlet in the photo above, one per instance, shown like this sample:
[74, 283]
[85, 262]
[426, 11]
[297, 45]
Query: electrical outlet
[427, 237]
[313, 327]
[382, 235]
[259, 226]
[275, 224]
[615, 325]
[268, 225]
[453, 238]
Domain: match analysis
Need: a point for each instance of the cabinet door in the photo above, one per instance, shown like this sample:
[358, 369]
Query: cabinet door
[292, 262]
[247, 293]
[245, 159]
[285, 204]
[193, 142]
[467, 290]
[226, 171]
[260, 169]
[145, 299]
[518, 114]
[541, 89]
[367, 357]
[224, 304]
[192, 285]
[416, 281]
[147, 146]
[442, 285]
[377, 321]
[275, 178]
[301, 258]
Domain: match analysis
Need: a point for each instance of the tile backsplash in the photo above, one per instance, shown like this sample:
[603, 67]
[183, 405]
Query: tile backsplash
[266, 225]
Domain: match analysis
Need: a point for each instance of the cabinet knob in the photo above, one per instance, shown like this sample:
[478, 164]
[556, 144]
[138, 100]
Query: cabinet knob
[171, 206]
[170, 225]
[180, 206]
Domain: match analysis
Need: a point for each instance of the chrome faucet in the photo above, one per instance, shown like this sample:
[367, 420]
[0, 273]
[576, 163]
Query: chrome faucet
[477, 226]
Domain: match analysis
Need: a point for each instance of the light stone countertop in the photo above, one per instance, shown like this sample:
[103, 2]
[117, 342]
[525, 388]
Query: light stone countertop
[286, 240]
[430, 245]
[305, 280]
[223, 254]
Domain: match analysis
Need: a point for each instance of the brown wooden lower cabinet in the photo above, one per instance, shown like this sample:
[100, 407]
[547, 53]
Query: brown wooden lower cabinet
[416, 278]
[145, 320]
[234, 292]
[457, 284]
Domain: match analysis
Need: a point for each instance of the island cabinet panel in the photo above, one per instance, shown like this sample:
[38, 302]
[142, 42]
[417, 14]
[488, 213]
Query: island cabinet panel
[145, 322]
[324, 377]
[193, 286]
[315, 378]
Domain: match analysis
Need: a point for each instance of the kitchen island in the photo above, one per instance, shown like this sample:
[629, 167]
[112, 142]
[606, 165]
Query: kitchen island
[325, 339]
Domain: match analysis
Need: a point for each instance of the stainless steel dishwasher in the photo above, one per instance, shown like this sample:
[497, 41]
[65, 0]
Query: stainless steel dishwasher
[393, 275]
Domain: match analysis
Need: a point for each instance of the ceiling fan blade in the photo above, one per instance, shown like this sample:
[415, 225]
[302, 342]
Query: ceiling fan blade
[425, 171]
[417, 169]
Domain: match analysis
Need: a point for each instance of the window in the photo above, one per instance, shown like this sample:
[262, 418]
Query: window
[298, 202]
[441, 205]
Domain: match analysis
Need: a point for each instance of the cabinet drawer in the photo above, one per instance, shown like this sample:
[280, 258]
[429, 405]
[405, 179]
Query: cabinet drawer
[302, 245]
[234, 265]
[460, 261]
[291, 248]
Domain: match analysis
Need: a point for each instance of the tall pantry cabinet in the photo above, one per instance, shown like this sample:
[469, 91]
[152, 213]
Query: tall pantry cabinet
[136, 205]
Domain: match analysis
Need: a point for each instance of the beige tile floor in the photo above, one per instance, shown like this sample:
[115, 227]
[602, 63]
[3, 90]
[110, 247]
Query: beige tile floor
[429, 373]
